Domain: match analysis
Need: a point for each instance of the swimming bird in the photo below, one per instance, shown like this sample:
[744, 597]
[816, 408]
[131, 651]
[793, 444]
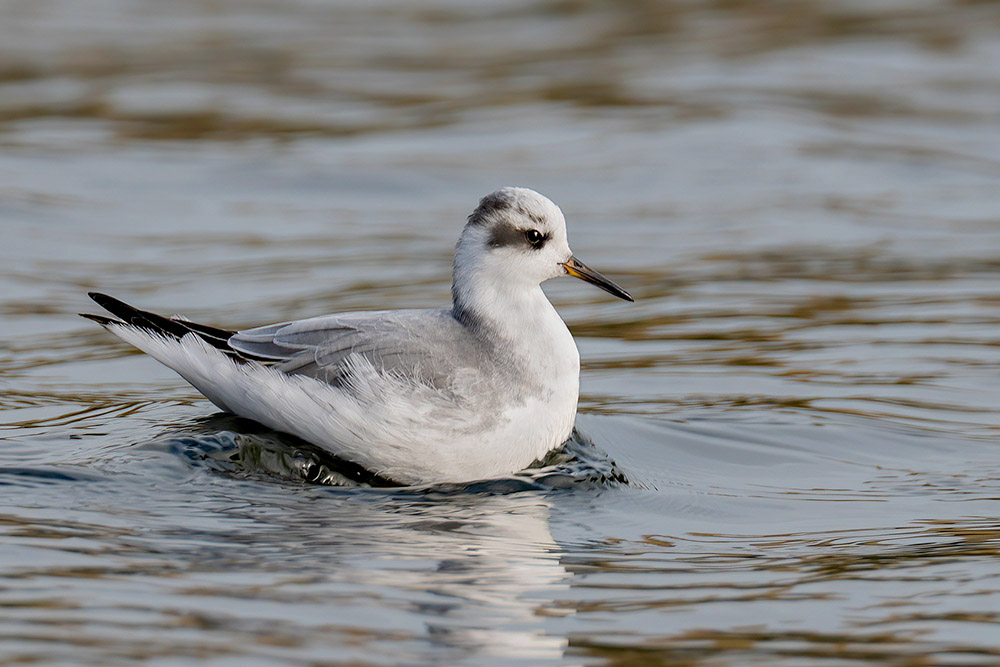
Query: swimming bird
[479, 390]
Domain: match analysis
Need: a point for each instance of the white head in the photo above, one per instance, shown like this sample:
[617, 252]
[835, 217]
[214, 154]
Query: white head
[514, 241]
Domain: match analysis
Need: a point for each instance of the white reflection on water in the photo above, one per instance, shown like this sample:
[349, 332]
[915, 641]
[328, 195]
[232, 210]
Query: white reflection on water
[502, 547]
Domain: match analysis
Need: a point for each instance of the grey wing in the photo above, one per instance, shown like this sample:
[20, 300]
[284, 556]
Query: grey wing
[430, 346]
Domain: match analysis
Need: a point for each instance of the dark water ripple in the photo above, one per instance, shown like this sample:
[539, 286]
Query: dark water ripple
[242, 448]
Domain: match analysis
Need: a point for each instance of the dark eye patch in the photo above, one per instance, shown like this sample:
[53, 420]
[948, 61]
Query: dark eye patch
[503, 235]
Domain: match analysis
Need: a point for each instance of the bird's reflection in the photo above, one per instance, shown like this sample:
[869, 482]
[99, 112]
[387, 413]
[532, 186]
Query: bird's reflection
[473, 571]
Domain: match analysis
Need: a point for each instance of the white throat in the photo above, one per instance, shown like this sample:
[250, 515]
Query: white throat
[517, 316]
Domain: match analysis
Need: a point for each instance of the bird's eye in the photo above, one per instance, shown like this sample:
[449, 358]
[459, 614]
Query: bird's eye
[534, 237]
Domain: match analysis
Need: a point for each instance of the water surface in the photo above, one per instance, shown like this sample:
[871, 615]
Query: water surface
[803, 399]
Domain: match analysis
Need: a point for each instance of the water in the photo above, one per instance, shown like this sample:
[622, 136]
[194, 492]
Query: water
[803, 399]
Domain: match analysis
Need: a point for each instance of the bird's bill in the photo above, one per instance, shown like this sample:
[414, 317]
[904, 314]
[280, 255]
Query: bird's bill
[578, 269]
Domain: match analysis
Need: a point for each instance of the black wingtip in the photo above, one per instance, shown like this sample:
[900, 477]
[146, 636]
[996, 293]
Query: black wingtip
[100, 319]
[103, 300]
[172, 327]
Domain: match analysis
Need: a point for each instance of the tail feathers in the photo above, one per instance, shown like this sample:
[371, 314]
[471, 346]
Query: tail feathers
[169, 327]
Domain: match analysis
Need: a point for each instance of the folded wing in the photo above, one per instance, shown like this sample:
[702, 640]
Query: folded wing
[426, 345]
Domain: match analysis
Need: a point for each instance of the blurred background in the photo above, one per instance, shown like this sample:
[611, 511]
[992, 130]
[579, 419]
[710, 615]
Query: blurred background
[802, 195]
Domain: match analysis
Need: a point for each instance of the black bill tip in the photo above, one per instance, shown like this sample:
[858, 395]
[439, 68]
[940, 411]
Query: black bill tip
[578, 269]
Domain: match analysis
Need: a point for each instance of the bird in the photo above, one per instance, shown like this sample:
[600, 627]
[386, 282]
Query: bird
[422, 396]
